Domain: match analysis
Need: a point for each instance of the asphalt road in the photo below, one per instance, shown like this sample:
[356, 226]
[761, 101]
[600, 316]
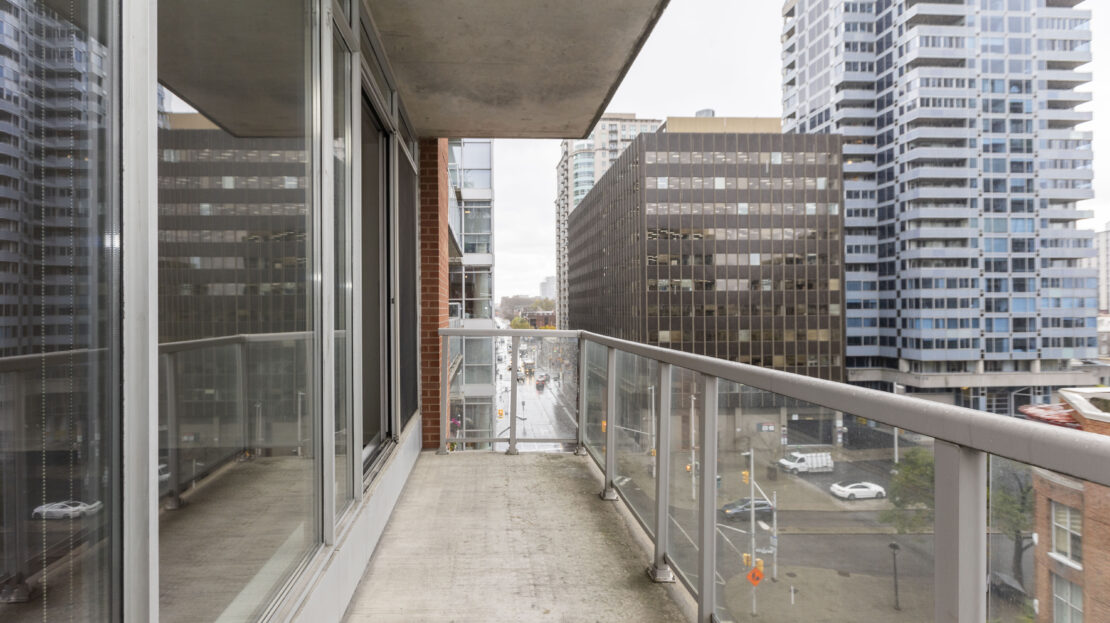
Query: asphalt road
[877, 472]
[541, 414]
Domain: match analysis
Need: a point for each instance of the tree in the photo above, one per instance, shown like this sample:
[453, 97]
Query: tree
[1011, 509]
[911, 492]
[520, 323]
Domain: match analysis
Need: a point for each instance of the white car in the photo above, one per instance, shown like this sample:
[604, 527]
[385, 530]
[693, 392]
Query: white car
[70, 509]
[857, 490]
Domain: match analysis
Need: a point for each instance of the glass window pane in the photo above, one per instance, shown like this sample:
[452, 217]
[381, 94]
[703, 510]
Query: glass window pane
[476, 178]
[59, 290]
[407, 315]
[477, 220]
[373, 297]
[476, 154]
[237, 421]
[341, 96]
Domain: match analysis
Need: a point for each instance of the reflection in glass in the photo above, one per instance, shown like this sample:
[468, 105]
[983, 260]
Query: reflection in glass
[236, 428]
[59, 315]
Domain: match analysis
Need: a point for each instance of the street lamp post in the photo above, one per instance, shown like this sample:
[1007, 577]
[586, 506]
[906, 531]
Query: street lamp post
[654, 426]
[693, 455]
[894, 555]
[751, 508]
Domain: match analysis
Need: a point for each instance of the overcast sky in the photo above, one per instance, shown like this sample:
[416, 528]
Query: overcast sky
[720, 54]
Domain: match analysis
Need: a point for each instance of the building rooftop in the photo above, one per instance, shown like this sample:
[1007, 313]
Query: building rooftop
[744, 125]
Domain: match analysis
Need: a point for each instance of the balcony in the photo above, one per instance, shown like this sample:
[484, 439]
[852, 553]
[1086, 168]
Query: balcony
[682, 442]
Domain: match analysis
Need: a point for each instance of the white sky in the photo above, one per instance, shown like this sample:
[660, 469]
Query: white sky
[720, 54]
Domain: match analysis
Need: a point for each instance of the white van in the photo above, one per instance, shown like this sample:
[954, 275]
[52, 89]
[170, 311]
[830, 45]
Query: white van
[814, 462]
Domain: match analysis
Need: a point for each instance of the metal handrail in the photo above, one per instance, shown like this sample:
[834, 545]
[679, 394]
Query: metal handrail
[1060, 449]
[550, 333]
[1072, 452]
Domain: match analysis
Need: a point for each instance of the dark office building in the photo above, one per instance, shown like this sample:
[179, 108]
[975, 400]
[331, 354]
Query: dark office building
[720, 243]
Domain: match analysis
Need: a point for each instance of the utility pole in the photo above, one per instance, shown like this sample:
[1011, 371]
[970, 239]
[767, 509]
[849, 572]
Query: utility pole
[774, 536]
[693, 455]
[900, 390]
[751, 506]
[894, 554]
[654, 450]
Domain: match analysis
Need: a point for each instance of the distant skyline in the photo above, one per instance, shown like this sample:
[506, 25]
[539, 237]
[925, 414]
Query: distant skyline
[719, 54]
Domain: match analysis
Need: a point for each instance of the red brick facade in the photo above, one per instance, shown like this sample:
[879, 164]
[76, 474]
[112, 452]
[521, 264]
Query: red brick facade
[1093, 501]
[433, 280]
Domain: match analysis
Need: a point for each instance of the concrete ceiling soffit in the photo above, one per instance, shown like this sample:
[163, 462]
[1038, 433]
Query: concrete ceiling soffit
[512, 68]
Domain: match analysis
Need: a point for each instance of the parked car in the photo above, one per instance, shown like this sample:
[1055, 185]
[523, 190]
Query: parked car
[163, 472]
[814, 462]
[69, 509]
[857, 490]
[742, 508]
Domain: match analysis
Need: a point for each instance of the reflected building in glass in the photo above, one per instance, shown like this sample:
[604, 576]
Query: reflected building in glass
[59, 241]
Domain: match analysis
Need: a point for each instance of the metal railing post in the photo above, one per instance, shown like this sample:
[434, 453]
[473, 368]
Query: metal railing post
[610, 492]
[512, 408]
[444, 392]
[173, 435]
[660, 571]
[582, 374]
[960, 528]
[242, 399]
[707, 504]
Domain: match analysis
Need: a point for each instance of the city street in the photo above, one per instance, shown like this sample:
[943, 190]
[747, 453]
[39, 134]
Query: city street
[547, 413]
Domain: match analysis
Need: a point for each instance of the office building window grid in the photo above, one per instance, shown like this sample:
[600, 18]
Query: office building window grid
[738, 254]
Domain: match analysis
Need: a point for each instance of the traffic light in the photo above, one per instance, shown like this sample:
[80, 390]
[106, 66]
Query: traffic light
[745, 476]
[688, 467]
[759, 564]
[747, 559]
[603, 426]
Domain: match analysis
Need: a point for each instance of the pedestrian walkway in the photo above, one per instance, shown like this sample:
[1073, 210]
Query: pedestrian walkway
[481, 536]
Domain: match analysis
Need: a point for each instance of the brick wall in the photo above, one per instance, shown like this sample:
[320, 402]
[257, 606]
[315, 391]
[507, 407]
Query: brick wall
[1093, 501]
[433, 280]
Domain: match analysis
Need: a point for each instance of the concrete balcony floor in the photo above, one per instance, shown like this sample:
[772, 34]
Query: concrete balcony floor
[481, 536]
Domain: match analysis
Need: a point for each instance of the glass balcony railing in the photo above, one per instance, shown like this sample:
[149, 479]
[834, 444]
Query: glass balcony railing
[774, 496]
[504, 390]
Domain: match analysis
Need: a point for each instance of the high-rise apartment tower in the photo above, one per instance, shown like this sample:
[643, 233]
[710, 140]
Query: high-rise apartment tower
[1101, 263]
[963, 170]
[582, 163]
